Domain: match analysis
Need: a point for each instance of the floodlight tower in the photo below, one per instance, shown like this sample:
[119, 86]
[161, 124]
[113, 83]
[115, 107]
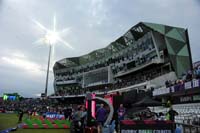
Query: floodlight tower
[51, 38]
[47, 77]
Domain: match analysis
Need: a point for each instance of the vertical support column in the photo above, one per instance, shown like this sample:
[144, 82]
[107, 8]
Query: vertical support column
[109, 74]
[189, 49]
[154, 42]
[93, 106]
[83, 84]
[89, 111]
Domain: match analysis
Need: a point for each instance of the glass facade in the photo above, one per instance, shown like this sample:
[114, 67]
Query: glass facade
[144, 44]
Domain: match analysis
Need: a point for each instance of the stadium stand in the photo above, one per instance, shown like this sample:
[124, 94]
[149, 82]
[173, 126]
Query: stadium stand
[148, 55]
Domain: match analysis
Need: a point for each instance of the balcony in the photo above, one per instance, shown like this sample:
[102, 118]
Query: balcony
[195, 83]
[97, 83]
[153, 61]
[66, 82]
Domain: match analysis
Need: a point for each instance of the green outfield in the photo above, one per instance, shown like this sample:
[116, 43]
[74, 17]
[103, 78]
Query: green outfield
[11, 120]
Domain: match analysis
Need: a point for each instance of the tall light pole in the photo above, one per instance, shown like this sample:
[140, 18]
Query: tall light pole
[47, 77]
[51, 38]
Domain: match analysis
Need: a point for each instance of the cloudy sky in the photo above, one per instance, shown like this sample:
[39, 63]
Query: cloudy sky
[85, 25]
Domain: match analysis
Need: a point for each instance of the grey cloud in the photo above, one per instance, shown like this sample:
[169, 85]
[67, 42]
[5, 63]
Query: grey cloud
[93, 24]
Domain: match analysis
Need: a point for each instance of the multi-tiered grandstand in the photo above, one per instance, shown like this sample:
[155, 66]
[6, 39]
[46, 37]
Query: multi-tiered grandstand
[143, 58]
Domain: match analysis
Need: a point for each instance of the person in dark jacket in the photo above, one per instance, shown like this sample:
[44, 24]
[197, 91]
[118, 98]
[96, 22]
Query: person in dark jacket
[172, 113]
[121, 112]
[79, 119]
[20, 113]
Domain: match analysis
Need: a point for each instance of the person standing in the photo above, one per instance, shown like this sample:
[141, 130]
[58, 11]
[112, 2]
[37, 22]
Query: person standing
[78, 125]
[66, 113]
[101, 117]
[20, 113]
[121, 112]
[172, 113]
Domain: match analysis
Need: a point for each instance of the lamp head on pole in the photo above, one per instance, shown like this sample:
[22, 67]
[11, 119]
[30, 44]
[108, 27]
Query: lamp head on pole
[51, 37]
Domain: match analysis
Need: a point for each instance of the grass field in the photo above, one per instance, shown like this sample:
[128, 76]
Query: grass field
[11, 120]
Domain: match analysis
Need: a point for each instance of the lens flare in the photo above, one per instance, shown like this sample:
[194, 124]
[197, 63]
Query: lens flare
[52, 36]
